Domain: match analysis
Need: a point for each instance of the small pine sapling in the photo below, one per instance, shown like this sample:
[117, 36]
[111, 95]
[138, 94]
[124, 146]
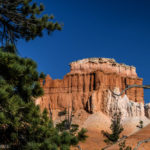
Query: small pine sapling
[116, 129]
[140, 124]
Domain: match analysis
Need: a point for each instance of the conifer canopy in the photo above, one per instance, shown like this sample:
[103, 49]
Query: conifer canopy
[22, 19]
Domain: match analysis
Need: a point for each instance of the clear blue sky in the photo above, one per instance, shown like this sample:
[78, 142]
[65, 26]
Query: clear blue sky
[118, 29]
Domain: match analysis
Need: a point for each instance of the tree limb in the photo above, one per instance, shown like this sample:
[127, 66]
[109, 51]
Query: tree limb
[132, 86]
[141, 142]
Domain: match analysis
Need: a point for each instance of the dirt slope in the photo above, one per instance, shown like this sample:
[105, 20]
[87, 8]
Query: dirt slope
[135, 138]
[98, 121]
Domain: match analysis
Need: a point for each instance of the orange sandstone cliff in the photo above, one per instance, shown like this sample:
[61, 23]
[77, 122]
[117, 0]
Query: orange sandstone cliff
[86, 86]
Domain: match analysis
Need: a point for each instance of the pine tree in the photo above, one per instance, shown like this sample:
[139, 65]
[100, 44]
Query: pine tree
[116, 129]
[18, 87]
[42, 75]
[66, 126]
[22, 126]
[140, 124]
[22, 19]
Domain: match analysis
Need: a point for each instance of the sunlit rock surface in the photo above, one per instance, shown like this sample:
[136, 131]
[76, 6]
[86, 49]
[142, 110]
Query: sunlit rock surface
[147, 110]
[115, 104]
[88, 87]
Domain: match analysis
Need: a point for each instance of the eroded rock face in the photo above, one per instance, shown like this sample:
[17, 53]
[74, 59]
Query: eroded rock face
[115, 104]
[86, 85]
[102, 64]
[147, 110]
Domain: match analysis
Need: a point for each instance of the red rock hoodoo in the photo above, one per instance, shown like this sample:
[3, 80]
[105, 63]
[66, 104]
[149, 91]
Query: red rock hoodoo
[85, 85]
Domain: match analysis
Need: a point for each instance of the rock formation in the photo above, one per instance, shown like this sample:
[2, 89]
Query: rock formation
[115, 104]
[147, 110]
[88, 87]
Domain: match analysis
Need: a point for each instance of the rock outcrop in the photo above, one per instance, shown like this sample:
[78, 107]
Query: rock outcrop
[102, 64]
[115, 104]
[147, 110]
[88, 86]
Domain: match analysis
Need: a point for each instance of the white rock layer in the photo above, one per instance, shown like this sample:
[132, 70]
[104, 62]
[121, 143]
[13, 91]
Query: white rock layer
[147, 110]
[114, 104]
[102, 64]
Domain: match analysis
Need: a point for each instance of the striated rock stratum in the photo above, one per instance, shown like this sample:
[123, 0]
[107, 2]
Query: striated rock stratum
[89, 85]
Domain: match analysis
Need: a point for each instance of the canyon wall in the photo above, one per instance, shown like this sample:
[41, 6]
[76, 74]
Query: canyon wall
[86, 86]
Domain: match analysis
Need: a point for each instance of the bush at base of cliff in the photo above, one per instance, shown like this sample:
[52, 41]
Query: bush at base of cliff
[122, 146]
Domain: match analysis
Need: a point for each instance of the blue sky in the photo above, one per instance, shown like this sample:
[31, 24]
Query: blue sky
[118, 29]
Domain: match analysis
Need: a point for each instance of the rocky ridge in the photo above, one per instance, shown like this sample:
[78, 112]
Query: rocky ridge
[88, 87]
[102, 64]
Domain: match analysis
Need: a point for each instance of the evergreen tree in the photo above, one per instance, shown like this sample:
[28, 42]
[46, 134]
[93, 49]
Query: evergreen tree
[82, 134]
[22, 126]
[18, 87]
[140, 124]
[22, 19]
[42, 75]
[66, 127]
[66, 124]
[116, 129]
